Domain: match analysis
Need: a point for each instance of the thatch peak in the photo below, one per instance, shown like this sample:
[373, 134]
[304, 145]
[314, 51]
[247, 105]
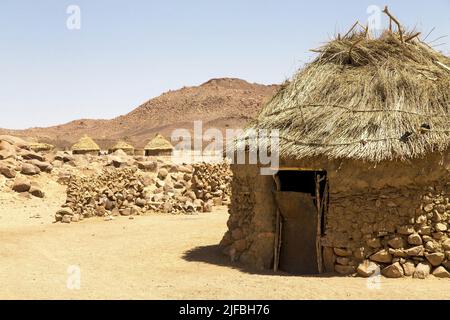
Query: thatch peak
[122, 145]
[85, 144]
[371, 99]
[159, 143]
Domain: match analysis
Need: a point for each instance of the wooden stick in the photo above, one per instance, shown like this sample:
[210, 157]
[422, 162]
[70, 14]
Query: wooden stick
[386, 11]
[319, 229]
[351, 48]
[351, 29]
[412, 37]
[442, 65]
[277, 242]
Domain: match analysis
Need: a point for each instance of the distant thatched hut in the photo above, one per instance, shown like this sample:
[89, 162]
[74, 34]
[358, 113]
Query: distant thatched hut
[158, 146]
[124, 146]
[41, 147]
[364, 174]
[86, 146]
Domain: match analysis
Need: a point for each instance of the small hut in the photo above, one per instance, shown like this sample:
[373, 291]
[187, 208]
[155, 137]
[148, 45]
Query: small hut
[41, 147]
[158, 146]
[363, 181]
[124, 146]
[86, 146]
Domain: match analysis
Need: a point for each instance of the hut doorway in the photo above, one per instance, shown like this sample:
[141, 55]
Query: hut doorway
[301, 197]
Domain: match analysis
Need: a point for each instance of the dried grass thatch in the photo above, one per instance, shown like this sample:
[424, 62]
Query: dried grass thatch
[159, 143]
[86, 144]
[371, 99]
[122, 145]
[40, 146]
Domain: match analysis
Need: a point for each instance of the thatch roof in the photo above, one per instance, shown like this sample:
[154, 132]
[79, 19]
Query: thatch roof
[85, 144]
[159, 143]
[372, 99]
[40, 146]
[122, 145]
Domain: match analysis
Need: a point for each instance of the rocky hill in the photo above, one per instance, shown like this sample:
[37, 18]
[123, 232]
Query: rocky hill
[219, 103]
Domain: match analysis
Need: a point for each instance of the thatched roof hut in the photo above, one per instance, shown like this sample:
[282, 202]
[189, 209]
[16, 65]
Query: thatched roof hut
[158, 146]
[364, 159]
[41, 147]
[86, 146]
[124, 146]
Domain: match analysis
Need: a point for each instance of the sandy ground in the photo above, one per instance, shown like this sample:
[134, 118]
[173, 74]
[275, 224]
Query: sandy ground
[153, 257]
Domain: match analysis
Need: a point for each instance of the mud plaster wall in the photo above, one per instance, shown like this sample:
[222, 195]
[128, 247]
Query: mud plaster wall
[392, 212]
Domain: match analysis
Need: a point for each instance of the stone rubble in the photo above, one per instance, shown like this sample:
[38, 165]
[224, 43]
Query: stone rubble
[162, 188]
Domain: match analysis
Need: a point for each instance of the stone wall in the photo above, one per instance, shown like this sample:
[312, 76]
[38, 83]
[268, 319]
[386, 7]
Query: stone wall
[252, 221]
[390, 216]
[399, 232]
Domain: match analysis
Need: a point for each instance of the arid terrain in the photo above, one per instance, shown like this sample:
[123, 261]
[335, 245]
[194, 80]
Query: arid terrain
[156, 256]
[219, 103]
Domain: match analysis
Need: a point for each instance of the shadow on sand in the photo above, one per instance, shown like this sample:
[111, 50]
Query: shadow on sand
[213, 254]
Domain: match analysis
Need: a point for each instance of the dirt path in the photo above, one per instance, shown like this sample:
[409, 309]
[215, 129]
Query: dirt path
[157, 257]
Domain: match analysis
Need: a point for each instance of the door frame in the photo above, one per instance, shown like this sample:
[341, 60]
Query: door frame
[322, 209]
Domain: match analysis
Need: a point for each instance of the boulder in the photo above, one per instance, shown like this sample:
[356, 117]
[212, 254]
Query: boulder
[42, 165]
[422, 271]
[441, 272]
[64, 156]
[29, 169]
[147, 165]
[374, 243]
[36, 191]
[417, 251]
[6, 150]
[446, 264]
[30, 155]
[435, 259]
[21, 185]
[367, 268]
[405, 230]
[446, 244]
[162, 173]
[65, 212]
[382, 256]
[440, 227]
[341, 252]
[408, 268]
[7, 171]
[395, 270]
[397, 243]
[415, 239]
[66, 219]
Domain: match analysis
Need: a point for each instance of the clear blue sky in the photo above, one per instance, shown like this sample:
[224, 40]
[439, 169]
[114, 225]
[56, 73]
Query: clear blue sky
[129, 51]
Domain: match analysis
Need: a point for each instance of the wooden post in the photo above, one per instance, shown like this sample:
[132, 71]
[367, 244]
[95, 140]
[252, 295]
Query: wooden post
[277, 243]
[319, 223]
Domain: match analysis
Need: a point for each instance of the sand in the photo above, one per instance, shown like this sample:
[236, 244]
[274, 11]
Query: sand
[153, 257]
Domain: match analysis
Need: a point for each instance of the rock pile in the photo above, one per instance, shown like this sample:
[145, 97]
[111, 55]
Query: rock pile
[164, 188]
[17, 161]
[212, 182]
[112, 192]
